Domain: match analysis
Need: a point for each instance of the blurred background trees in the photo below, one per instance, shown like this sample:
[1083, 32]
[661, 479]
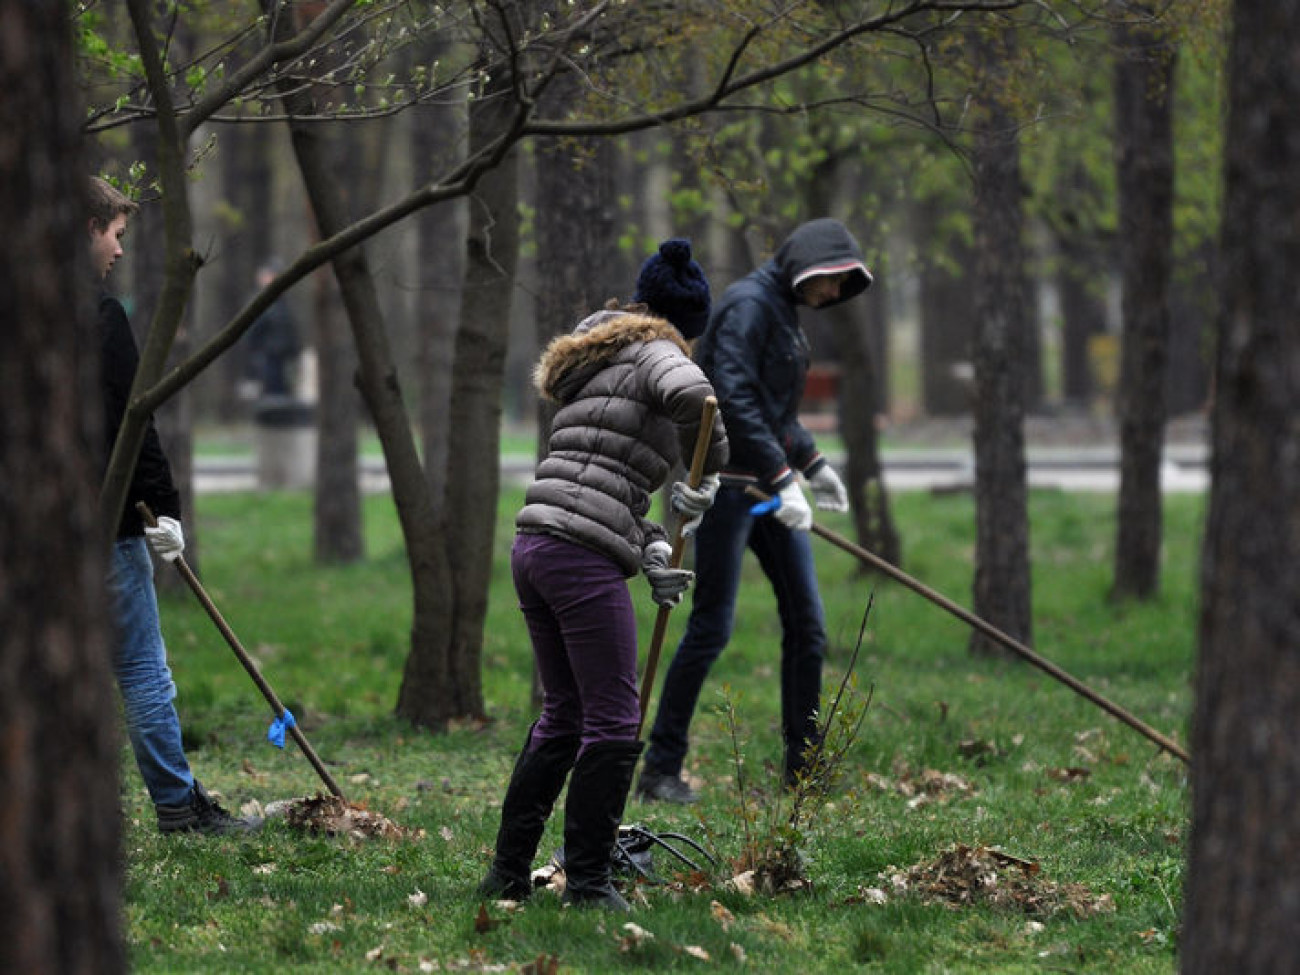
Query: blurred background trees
[445, 187]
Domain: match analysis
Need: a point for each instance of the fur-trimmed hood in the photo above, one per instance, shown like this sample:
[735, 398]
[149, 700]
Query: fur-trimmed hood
[569, 360]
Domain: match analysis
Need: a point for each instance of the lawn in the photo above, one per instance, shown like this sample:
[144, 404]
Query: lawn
[985, 819]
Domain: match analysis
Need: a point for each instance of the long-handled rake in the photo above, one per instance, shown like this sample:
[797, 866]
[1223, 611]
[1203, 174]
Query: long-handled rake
[283, 717]
[991, 631]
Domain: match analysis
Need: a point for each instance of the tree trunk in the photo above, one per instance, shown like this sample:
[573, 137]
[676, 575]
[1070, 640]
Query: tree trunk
[337, 533]
[1002, 583]
[426, 683]
[1192, 303]
[61, 871]
[859, 405]
[1242, 907]
[1080, 281]
[440, 243]
[247, 182]
[492, 249]
[175, 420]
[947, 326]
[1145, 165]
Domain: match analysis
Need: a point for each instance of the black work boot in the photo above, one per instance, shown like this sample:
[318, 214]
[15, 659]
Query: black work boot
[202, 814]
[535, 784]
[592, 813]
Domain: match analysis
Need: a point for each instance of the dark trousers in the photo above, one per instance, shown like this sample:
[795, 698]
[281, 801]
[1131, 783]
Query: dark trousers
[786, 559]
[579, 615]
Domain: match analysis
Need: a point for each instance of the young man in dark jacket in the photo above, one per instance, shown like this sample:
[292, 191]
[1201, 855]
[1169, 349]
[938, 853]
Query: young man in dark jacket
[756, 357]
[139, 655]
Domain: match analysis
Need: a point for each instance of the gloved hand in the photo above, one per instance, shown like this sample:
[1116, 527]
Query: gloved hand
[828, 490]
[691, 503]
[794, 512]
[166, 538]
[667, 585]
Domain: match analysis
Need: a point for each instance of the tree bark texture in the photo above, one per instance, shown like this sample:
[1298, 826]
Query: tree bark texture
[1002, 582]
[491, 255]
[337, 530]
[947, 326]
[61, 872]
[246, 188]
[440, 242]
[1145, 163]
[1242, 908]
[859, 405]
[1083, 271]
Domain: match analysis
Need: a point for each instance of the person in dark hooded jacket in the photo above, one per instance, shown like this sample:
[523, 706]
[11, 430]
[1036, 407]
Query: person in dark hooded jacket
[629, 406]
[756, 356]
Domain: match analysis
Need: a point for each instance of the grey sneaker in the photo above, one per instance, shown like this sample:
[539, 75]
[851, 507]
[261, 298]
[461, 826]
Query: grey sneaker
[655, 786]
[202, 814]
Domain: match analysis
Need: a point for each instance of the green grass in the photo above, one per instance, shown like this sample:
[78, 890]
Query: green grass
[332, 642]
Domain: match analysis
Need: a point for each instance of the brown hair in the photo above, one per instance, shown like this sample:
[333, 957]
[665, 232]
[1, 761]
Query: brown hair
[104, 202]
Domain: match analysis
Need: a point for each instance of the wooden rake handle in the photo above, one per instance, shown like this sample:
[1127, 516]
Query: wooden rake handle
[693, 478]
[277, 708]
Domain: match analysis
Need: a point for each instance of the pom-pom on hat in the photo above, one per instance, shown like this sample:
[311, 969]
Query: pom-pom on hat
[673, 286]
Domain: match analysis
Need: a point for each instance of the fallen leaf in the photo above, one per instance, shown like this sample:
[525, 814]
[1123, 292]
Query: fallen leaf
[695, 951]
[720, 914]
[483, 922]
[418, 899]
[738, 953]
[743, 883]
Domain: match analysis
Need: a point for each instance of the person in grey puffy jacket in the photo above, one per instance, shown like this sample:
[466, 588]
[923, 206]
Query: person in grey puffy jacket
[756, 356]
[629, 407]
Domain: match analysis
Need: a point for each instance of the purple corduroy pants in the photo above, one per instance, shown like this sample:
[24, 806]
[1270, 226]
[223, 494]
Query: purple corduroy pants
[579, 615]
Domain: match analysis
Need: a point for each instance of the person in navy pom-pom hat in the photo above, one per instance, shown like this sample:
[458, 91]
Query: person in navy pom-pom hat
[673, 286]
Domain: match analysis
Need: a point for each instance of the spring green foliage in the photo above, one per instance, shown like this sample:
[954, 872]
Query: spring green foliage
[953, 753]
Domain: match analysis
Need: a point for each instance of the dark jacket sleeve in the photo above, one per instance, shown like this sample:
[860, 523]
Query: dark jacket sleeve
[742, 334]
[151, 481]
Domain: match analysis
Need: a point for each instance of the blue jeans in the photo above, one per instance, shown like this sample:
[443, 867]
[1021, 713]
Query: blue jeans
[140, 666]
[579, 614]
[786, 559]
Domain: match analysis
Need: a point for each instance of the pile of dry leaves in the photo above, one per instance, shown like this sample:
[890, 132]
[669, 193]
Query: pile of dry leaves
[334, 816]
[965, 875]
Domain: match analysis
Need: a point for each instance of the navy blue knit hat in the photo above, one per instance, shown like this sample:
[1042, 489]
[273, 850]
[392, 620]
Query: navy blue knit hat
[674, 287]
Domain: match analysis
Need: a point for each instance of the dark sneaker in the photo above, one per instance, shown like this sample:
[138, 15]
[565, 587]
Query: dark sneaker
[663, 787]
[202, 814]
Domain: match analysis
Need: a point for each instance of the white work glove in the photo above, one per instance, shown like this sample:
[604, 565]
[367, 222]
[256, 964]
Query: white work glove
[166, 538]
[667, 585]
[793, 512]
[828, 490]
[691, 503]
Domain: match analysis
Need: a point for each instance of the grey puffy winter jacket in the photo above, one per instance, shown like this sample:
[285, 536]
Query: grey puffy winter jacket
[629, 401]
